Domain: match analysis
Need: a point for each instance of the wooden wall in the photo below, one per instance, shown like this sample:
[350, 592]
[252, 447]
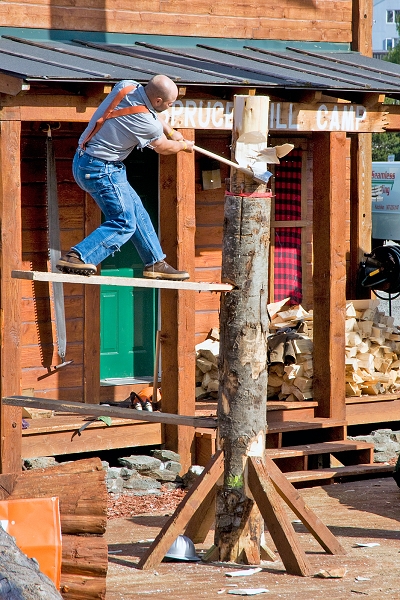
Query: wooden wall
[39, 349]
[305, 20]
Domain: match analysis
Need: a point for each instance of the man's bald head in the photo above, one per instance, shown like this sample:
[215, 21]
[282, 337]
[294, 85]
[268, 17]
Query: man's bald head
[161, 91]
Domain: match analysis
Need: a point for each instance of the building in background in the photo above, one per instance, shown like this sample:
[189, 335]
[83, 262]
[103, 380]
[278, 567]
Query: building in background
[384, 31]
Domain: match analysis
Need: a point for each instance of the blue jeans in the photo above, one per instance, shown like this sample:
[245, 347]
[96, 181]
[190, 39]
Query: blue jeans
[126, 217]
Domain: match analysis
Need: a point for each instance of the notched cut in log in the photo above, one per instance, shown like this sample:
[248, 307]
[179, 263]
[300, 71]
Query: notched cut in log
[252, 349]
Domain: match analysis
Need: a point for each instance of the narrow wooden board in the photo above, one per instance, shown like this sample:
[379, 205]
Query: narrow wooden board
[177, 523]
[322, 448]
[296, 503]
[340, 472]
[122, 281]
[279, 525]
[100, 410]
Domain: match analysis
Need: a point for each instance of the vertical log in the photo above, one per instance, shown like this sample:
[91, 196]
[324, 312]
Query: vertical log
[243, 369]
[329, 273]
[177, 225]
[10, 293]
[244, 330]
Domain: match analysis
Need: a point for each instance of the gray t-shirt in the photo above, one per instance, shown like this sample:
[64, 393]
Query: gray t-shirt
[119, 135]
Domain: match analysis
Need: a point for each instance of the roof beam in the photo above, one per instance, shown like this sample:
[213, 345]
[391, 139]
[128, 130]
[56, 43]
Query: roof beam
[12, 85]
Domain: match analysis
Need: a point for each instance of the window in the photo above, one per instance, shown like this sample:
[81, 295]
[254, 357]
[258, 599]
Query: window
[392, 16]
[390, 43]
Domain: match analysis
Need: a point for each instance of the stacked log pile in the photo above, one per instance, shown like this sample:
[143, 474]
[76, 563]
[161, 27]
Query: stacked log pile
[82, 493]
[207, 354]
[372, 350]
[372, 353]
[290, 377]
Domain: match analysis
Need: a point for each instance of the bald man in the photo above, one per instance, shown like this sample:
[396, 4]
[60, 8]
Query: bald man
[128, 118]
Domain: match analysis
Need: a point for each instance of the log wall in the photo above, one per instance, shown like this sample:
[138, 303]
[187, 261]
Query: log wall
[303, 20]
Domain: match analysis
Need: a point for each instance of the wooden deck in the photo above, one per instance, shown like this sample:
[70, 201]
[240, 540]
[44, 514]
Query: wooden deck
[289, 424]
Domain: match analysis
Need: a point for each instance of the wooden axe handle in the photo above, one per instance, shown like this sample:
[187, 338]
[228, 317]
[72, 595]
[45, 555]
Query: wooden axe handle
[227, 162]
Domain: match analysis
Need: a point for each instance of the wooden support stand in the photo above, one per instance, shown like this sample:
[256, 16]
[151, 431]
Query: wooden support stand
[270, 490]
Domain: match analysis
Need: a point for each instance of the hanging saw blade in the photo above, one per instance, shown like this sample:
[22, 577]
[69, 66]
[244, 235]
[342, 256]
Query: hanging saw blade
[55, 245]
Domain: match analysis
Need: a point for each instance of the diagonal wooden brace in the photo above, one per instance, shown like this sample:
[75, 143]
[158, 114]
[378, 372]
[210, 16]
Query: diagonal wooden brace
[275, 516]
[177, 523]
[294, 500]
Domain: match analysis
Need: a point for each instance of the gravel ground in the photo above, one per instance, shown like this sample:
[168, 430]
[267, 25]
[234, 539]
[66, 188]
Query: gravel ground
[127, 505]
[360, 512]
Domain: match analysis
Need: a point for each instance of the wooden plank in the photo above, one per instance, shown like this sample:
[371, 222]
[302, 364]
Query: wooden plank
[368, 399]
[377, 412]
[331, 21]
[122, 281]
[340, 472]
[277, 521]
[178, 226]
[178, 521]
[321, 448]
[288, 426]
[10, 294]
[296, 503]
[94, 438]
[329, 274]
[111, 411]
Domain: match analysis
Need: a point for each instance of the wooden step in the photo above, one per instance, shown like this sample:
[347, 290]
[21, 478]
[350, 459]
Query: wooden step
[323, 448]
[316, 476]
[277, 412]
[322, 455]
[316, 423]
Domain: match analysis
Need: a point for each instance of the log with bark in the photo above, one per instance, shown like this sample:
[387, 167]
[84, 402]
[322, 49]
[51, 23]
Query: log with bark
[20, 576]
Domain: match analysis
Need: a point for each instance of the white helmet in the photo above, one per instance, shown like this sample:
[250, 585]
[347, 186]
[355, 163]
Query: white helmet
[182, 549]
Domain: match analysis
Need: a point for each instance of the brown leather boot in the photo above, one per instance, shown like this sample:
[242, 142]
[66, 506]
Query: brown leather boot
[162, 270]
[70, 262]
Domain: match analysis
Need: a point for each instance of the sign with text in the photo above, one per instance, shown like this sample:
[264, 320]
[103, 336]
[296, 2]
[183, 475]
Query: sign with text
[386, 200]
[283, 116]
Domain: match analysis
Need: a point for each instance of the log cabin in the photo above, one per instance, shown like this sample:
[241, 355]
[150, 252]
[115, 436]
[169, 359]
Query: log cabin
[327, 95]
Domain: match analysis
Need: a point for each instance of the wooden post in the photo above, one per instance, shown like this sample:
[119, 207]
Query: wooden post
[362, 26]
[361, 158]
[10, 293]
[360, 207]
[91, 342]
[329, 273]
[243, 351]
[177, 225]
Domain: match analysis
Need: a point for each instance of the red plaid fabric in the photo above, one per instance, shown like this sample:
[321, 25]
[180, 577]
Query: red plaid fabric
[287, 257]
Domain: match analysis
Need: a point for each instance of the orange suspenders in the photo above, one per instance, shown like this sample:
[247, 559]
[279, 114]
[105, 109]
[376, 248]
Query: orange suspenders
[110, 113]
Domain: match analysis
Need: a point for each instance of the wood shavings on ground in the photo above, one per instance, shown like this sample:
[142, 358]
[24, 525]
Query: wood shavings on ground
[128, 505]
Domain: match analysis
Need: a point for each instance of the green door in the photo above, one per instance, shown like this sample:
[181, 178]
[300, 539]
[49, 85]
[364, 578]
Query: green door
[128, 317]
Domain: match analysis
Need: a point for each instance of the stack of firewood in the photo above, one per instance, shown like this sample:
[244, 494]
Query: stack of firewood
[291, 379]
[372, 354]
[207, 353]
[372, 350]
